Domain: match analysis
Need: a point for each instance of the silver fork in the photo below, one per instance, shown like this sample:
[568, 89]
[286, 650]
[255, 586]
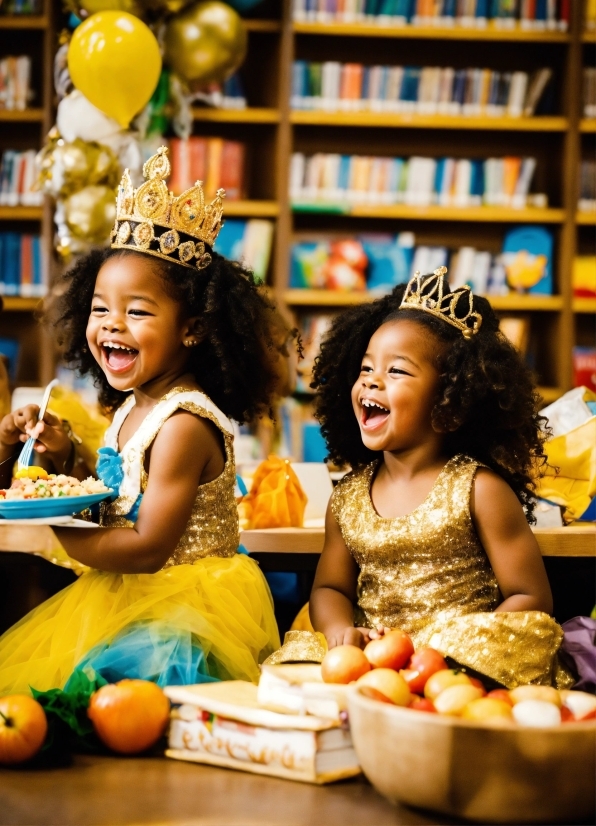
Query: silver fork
[25, 455]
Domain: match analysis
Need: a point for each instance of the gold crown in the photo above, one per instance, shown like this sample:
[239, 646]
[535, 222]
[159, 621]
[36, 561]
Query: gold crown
[426, 293]
[152, 220]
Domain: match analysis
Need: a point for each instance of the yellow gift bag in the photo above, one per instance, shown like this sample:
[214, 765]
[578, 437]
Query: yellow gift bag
[276, 498]
[570, 478]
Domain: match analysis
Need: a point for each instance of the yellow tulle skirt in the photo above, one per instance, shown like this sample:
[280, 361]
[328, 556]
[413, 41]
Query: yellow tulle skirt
[188, 623]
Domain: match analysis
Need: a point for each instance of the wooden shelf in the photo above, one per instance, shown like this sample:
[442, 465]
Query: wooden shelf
[416, 121]
[272, 26]
[248, 115]
[491, 32]
[437, 213]
[21, 213]
[584, 305]
[335, 298]
[21, 115]
[252, 209]
[18, 304]
[23, 21]
[587, 125]
[585, 218]
[589, 37]
[550, 394]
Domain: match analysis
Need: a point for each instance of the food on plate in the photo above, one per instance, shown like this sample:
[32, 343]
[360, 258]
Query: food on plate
[23, 728]
[393, 650]
[389, 683]
[344, 664]
[41, 485]
[129, 716]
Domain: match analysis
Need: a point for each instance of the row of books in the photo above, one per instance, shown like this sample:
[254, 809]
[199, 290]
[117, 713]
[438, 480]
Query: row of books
[590, 92]
[15, 79]
[539, 15]
[21, 265]
[377, 263]
[415, 181]
[587, 186]
[217, 162]
[18, 176]
[428, 90]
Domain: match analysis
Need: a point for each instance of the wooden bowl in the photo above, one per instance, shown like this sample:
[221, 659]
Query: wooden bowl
[476, 771]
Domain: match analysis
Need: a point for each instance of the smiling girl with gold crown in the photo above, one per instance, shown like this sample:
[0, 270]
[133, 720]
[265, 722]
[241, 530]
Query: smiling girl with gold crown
[177, 339]
[436, 413]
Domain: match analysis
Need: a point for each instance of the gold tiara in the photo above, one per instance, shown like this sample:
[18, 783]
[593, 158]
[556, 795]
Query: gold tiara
[152, 220]
[426, 293]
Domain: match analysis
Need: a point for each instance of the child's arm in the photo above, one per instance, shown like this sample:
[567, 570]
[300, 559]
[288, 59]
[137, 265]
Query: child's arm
[510, 545]
[186, 450]
[334, 591]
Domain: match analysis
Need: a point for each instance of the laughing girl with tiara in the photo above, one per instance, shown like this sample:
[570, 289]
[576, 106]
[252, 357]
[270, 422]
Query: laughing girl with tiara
[178, 340]
[435, 412]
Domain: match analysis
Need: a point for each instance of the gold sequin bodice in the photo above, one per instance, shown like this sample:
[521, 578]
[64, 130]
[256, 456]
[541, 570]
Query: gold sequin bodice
[417, 567]
[212, 529]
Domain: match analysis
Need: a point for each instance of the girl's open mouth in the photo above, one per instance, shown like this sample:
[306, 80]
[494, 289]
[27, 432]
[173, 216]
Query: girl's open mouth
[373, 415]
[118, 358]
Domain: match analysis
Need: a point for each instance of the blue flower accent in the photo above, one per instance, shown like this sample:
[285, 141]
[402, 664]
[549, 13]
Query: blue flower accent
[109, 469]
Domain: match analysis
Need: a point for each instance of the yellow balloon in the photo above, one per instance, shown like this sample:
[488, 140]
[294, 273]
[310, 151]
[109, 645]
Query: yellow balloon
[90, 213]
[205, 42]
[114, 60]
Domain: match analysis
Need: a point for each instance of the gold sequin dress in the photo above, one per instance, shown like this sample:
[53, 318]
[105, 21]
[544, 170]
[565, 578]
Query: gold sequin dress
[207, 614]
[427, 574]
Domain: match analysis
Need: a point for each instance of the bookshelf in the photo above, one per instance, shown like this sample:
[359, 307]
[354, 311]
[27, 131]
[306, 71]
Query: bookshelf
[272, 131]
[34, 36]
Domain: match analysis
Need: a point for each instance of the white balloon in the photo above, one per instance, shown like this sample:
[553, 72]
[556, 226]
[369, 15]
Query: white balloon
[78, 118]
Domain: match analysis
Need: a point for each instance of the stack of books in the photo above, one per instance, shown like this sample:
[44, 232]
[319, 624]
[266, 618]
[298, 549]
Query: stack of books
[18, 176]
[21, 266]
[416, 181]
[217, 162]
[538, 15]
[15, 77]
[231, 724]
[589, 92]
[587, 186]
[428, 90]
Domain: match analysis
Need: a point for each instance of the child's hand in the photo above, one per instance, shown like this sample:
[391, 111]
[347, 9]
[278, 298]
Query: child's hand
[50, 437]
[379, 631]
[349, 636]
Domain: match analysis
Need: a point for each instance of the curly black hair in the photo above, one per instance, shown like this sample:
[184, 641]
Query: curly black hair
[235, 362]
[486, 405]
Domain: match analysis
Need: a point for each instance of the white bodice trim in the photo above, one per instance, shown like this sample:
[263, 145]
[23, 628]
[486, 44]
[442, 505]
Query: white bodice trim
[134, 450]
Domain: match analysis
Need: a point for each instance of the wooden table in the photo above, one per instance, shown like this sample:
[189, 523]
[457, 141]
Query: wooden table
[114, 791]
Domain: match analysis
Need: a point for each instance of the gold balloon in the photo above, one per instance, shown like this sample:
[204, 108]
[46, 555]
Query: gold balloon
[205, 42]
[90, 213]
[68, 167]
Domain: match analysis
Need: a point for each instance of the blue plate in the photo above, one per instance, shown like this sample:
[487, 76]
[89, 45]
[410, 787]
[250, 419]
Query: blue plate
[40, 508]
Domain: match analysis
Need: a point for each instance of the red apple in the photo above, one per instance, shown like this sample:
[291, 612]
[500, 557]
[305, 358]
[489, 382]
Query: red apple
[374, 694]
[423, 664]
[422, 704]
[393, 650]
[389, 683]
[500, 694]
